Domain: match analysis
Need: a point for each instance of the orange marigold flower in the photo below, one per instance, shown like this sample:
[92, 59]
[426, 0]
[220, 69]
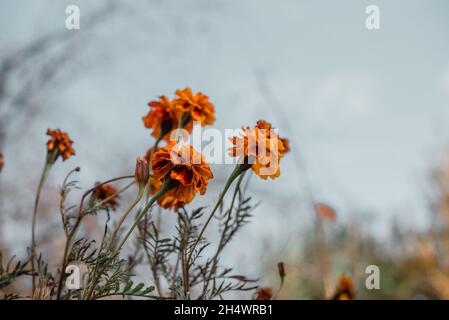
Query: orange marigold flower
[261, 147]
[59, 145]
[197, 106]
[264, 293]
[2, 161]
[149, 154]
[344, 290]
[162, 117]
[186, 168]
[106, 192]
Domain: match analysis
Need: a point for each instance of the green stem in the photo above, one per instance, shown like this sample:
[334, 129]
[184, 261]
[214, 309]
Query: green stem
[126, 214]
[240, 168]
[281, 285]
[167, 186]
[33, 223]
[221, 243]
[185, 118]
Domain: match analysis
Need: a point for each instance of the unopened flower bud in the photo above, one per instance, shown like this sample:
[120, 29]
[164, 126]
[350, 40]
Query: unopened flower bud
[142, 172]
[1, 161]
[281, 269]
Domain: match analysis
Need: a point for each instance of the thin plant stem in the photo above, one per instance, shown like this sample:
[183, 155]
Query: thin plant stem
[143, 232]
[126, 214]
[323, 258]
[240, 168]
[44, 176]
[221, 242]
[167, 186]
[175, 271]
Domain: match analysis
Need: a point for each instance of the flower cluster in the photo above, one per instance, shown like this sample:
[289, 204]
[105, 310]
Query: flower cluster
[261, 147]
[170, 174]
[59, 145]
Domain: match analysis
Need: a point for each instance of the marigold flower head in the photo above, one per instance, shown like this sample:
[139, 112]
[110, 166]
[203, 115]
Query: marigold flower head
[106, 192]
[345, 289]
[261, 147]
[2, 161]
[264, 293]
[162, 117]
[197, 106]
[186, 168]
[59, 145]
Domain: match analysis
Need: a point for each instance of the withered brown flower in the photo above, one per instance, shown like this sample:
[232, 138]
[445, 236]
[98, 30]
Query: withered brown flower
[184, 166]
[106, 192]
[264, 293]
[261, 147]
[59, 145]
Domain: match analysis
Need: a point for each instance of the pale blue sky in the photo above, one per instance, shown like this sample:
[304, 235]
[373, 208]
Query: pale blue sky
[366, 110]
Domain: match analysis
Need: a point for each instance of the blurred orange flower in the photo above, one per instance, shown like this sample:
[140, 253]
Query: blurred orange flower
[59, 143]
[264, 293]
[344, 290]
[325, 211]
[261, 147]
[106, 192]
[196, 106]
[162, 117]
[2, 161]
[187, 168]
